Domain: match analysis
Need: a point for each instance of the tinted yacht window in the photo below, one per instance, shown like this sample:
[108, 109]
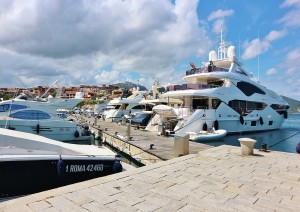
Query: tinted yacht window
[249, 89]
[30, 115]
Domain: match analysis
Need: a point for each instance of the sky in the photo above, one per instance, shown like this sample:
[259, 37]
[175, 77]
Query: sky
[97, 42]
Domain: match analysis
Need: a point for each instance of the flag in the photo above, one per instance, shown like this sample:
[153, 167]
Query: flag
[192, 65]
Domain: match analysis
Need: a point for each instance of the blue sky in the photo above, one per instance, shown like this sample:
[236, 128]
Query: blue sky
[107, 41]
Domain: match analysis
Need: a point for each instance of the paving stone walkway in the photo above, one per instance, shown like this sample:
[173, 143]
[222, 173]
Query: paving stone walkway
[217, 179]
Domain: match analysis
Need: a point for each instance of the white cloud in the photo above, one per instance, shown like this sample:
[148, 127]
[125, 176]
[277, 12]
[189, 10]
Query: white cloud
[288, 3]
[256, 47]
[275, 35]
[218, 17]
[220, 14]
[72, 41]
[272, 71]
[292, 17]
[292, 62]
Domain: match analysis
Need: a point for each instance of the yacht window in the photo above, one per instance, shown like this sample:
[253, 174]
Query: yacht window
[216, 103]
[253, 123]
[117, 106]
[200, 103]
[216, 83]
[249, 89]
[30, 115]
[241, 72]
[11, 107]
[270, 122]
[137, 107]
[245, 107]
[161, 90]
[279, 107]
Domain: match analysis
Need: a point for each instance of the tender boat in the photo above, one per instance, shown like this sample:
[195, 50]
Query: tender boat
[31, 163]
[206, 135]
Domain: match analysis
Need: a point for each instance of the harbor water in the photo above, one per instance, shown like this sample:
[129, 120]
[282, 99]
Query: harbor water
[284, 139]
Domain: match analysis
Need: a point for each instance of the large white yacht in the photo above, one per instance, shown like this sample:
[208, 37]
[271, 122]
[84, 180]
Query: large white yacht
[40, 117]
[224, 95]
[119, 107]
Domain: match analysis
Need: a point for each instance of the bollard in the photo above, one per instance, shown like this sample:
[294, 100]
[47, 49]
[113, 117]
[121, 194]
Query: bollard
[181, 145]
[123, 120]
[128, 128]
[247, 146]
[162, 128]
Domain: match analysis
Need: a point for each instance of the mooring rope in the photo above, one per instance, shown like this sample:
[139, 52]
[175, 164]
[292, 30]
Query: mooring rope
[284, 139]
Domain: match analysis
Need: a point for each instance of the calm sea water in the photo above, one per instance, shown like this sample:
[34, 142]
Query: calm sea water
[284, 139]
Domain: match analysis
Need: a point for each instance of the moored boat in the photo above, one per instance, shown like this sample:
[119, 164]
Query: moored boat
[31, 163]
[206, 135]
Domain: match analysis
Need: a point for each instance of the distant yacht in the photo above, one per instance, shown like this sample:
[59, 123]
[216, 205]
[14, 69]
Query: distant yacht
[40, 117]
[119, 107]
[224, 95]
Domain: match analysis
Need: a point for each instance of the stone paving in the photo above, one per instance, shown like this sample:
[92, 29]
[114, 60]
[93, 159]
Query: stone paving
[217, 179]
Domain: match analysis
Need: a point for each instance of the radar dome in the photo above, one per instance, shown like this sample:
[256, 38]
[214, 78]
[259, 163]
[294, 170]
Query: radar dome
[231, 53]
[212, 56]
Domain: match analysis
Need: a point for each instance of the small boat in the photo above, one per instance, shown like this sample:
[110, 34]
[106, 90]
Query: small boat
[206, 135]
[32, 163]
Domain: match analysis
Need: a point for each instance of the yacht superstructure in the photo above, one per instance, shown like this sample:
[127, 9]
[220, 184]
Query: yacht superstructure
[224, 95]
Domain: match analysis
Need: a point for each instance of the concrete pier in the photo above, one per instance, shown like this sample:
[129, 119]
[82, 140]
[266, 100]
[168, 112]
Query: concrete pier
[145, 147]
[216, 179]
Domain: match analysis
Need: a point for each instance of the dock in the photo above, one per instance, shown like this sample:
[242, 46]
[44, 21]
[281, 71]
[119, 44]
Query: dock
[215, 179]
[145, 147]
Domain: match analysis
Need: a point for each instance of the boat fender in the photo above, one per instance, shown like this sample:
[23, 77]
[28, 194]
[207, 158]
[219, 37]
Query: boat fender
[60, 166]
[117, 167]
[76, 134]
[261, 121]
[216, 124]
[298, 148]
[242, 120]
[204, 127]
[285, 114]
[37, 128]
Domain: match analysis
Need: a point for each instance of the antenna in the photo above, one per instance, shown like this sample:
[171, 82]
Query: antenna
[222, 47]
[239, 47]
[258, 53]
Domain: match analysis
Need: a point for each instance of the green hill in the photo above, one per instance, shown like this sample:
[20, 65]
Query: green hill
[129, 85]
[295, 104]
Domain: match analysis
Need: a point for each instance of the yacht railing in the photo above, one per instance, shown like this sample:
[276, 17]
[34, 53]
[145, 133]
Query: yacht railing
[205, 70]
[190, 87]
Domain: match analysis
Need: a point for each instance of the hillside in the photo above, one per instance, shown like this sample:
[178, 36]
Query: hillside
[129, 85]
[295, 104]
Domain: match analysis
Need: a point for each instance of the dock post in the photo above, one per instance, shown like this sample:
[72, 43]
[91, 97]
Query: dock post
[128, 129]
[95, 120]
[247, 145]
[123, 120]
[181, 145]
